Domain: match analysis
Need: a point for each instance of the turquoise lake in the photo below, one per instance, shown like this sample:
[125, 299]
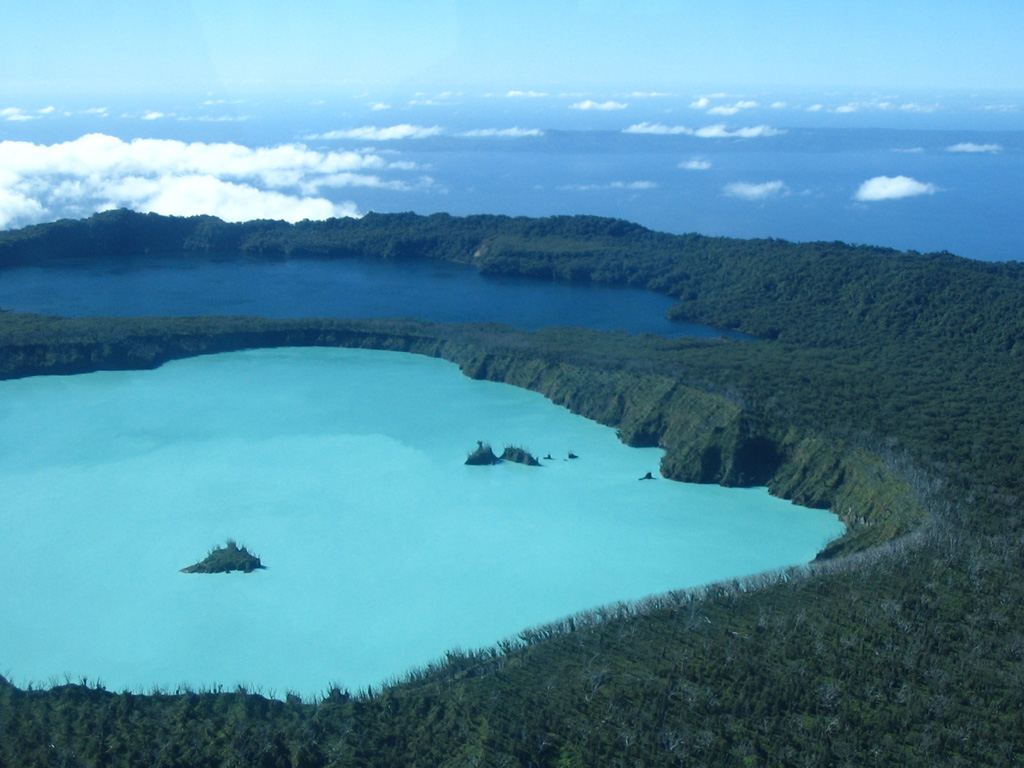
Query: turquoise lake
[343, 470]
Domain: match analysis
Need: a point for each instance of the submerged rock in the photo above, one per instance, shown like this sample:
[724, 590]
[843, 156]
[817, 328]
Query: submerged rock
[224, 559]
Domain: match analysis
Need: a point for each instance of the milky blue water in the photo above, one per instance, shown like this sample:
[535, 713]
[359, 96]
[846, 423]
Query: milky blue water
[343, 470]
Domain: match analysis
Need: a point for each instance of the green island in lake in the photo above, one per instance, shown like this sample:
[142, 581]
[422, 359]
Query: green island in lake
[230, 557]
[882, 385]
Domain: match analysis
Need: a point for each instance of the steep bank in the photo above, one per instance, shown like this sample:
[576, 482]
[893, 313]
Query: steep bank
[707, 438]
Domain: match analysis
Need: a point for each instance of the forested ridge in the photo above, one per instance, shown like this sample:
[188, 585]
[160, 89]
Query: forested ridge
[886, 385]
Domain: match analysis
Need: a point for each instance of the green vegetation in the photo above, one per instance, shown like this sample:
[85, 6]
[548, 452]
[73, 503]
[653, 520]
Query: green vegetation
[225, 559]
[519, 456]
[885, 386]
[482, 455]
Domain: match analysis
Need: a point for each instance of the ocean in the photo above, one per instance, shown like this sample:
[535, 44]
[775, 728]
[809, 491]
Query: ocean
[925, 172]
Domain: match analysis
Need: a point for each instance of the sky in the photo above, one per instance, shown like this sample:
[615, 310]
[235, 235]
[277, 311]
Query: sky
[128, 46]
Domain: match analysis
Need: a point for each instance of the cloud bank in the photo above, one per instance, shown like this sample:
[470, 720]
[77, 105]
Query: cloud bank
[97, 172]
[747, 191]
[697, 164]
[627, 185]
[391, 133]
[502, 133]
[598, 105]
[892, 188]
[971, 147]
[719, 131]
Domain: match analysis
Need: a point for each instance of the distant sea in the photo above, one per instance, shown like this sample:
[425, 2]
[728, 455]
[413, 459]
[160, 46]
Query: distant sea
[927, 172]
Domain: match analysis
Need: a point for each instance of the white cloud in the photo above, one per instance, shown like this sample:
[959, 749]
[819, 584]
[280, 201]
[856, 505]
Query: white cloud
[707, 132]
[778, 105]
[364, 180]
[815, 107]
[15, 114]
[732, 109]
[526, 94]
[628, 185]
[604, 106]
[748, 191]
[47, 110]
[892, 188]
[153, 115]
[750, 132]
[391, 133]
[196, 194]
[97, 172]
[16, 207]
[507, 133]
[697, 164]
[909, 150]
[701, 103]
[658, 129]
[881, 105]
[647, 94]
[971, 147]
[380, 106]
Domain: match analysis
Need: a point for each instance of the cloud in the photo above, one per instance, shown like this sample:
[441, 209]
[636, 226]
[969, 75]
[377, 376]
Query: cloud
[971, 147]
[365, 181]
[603, 106]
[702, 103]
[196, 194]
[526, 94]
[748, 191]
[628, 185]
[881, 105]
[697, 164]
[15, 114]
[751, 132]
[380, 106]
[97, 172]
[815, 107]
[892, 188]
[707, 132]
[506, 133]
[392, 133]
[732, 109]
[15, 207]
[658, 129]
[153, 115]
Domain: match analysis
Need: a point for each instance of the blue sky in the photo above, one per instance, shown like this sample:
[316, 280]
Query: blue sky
[131, 46]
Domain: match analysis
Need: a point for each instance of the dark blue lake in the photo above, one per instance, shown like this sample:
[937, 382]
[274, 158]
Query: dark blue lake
[349, 288]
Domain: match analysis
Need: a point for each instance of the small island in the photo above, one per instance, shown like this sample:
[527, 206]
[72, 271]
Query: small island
[225, 559]
[484, 455]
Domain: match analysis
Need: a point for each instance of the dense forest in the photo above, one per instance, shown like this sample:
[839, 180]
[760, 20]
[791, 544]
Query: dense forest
[884, 385]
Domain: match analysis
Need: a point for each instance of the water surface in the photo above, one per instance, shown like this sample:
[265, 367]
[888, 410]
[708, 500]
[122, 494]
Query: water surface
[343, 470]
[351, 288]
